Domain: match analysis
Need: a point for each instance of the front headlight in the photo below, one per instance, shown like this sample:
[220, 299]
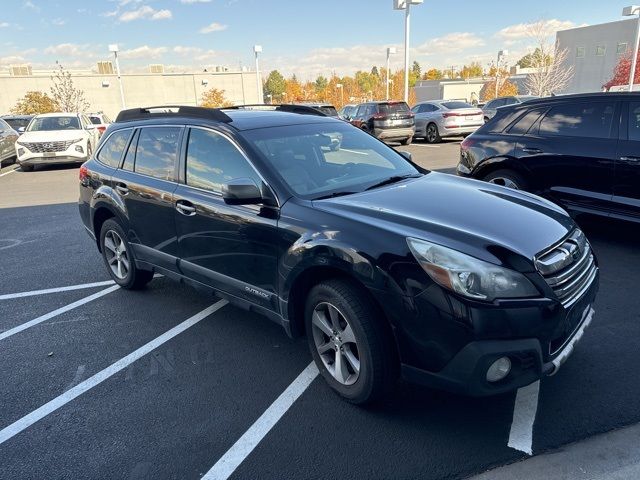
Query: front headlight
[469, 276]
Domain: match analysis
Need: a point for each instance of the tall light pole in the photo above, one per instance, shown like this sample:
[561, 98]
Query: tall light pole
[339, 85]
[406, 6]
[501, 55]
[390, 51]
[113, 48]
[629, 12]
[256, 50]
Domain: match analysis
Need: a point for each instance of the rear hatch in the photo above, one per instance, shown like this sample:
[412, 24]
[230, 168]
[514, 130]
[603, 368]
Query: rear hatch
[393, 115]
[461, 114]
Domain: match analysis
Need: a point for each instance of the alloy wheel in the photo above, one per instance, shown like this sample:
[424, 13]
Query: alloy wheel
[505, 182]
[116, 254]
[432, 134]
[336, 343]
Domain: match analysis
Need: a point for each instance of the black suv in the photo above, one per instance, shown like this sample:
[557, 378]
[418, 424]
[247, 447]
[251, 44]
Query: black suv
[388, 268]
[386, 120]
[581, 151]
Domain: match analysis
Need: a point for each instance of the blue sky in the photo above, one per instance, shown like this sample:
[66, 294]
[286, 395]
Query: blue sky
[303, 37]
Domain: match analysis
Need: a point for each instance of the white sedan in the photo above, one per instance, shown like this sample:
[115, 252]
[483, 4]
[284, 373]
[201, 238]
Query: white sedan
[54, 138]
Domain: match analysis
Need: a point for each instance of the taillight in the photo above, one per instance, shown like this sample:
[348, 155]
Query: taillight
[102, 128]
[451, 114]
[379, 116]
[467, 143]
[83, 174]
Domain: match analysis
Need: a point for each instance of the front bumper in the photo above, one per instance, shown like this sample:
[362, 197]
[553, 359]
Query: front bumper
[69, 155]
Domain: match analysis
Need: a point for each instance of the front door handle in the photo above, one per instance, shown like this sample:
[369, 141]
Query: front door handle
[630, 159]
[185, 208]
[531, 150]
[122, 188]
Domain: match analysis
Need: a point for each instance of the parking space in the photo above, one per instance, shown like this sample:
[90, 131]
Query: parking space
[156, 384]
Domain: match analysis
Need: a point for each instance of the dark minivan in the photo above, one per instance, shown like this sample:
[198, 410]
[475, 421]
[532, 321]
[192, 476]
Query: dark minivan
[580, 151]
[389, 269]
[386, 120]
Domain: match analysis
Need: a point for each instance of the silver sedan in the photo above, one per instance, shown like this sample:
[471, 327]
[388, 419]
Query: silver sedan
[446, 118]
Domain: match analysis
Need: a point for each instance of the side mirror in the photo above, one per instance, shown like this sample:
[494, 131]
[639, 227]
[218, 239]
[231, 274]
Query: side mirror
[407, 155]
[21, 130]
[91, 127]
[241, 191]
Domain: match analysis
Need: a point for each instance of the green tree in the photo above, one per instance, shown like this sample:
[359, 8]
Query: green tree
[374, 71]
[416, 69]
[275, 85]
[65, 94]
[535, 59]
[320, 84]
[34, 103]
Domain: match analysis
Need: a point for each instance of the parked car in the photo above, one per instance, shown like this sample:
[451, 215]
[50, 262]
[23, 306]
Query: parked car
[347, 112]
[8, 137]
[390, 269]
[54, 138]
[325, 108]
[100, 120]
[386, 120]
[18, 122]
[581, 151]
[438, 119]
[489, 108]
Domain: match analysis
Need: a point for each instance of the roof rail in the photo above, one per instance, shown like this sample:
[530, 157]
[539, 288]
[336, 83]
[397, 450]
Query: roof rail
[282, 107]
[146, 113]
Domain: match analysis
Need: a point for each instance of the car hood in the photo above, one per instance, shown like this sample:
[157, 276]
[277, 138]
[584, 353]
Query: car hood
[481, 219]
[52, 135]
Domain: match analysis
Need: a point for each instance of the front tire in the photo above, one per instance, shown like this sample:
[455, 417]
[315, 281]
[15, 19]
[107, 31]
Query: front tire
[116, 252]
[349, 341]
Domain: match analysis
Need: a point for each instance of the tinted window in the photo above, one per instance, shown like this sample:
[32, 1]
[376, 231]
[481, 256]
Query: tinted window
[213, 160]
[502, 119]
[4, 125]
[454, 105]
[361, 110]
[579, 120]
[95, 120]
[54, 123]
[397, 107]
[523, 125]
[496, 103]
[17, 123]
[328, 110]
[111, 152]
[130, 157]
[157, 152]
[510, 101]
[634, 121]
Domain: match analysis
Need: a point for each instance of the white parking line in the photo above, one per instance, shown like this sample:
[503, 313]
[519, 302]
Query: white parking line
[56, 290]
[423, 145]
[7, 173]
[57, 312]
[524, 416]
[49, 407]
[252, 437]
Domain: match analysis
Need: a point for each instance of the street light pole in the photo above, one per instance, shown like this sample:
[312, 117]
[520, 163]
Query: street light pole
[501, 54]
[256, 50]
[406, 6]
[339, 85]
[628, 12]
[114, 49]
[390, 51]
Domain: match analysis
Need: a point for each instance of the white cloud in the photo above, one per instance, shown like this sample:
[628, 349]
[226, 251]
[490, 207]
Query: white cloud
[144, 51]
[213, 27]
[522, 31]
[12, 60]
[58, 22]
[450, 43]
[191, 2]
[31, 6]
[144, 12]
[4, 24]
[69, 50]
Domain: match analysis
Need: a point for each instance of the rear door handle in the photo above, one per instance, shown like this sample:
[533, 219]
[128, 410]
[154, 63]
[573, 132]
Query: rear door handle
[185, 208]
[630, 159]
[531, 150]
[122, 188]
[145, 195]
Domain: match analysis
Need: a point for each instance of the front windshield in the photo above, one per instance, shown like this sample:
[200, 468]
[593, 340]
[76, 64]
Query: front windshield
[54, 123]
[317, 160]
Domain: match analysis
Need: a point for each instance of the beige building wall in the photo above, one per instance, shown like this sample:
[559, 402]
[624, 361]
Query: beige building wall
[140, 90]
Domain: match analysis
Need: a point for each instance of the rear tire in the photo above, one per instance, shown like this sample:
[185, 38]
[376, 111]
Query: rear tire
[345, 330]
[507, 178]
[118, 257]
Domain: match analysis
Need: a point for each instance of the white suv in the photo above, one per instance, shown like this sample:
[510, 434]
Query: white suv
[56, 138]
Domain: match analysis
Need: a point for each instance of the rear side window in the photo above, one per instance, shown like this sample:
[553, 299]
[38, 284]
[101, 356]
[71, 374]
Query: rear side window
[634, 121]
[212, 160]
[397, 107]
[157, 152]
[579, 120]
[95, 120]
[525, 123]
[502, 120]
[112, 150]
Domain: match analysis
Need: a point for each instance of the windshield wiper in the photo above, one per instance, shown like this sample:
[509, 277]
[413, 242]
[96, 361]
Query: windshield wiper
[333, 195]
[394, 179]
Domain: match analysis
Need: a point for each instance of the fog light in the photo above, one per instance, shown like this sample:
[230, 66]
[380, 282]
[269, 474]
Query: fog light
[499, 369]
[79, 149]
[20, 152]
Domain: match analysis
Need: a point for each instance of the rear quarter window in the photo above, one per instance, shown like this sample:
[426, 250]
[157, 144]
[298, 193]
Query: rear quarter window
[398, 107]
[113, 148]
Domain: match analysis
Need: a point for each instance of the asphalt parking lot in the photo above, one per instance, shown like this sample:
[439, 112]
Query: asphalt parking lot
[99, 382]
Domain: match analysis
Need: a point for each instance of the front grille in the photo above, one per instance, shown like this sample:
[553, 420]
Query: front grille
[45, 147]
[569, 269]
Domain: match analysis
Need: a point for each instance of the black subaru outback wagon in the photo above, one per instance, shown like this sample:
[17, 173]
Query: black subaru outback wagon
[388, 269]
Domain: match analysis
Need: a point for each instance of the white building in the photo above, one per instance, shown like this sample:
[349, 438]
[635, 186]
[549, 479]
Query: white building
[594, 51]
